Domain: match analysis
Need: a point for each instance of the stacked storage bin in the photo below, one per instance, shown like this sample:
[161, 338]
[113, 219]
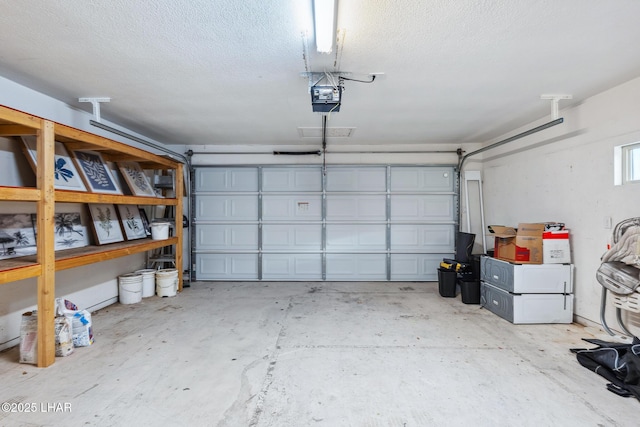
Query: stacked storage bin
[463, 272]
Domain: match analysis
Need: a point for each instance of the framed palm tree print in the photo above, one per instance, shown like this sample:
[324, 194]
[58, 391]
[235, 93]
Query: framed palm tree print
[17, 235]
[95, 172]
[69, 231]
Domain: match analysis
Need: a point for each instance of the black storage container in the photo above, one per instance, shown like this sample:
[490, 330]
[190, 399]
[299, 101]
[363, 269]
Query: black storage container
[464, 246]
[447, 281]
[470, 291]
[475, 267]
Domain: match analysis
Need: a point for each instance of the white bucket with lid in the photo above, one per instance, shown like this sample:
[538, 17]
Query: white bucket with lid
[148, 282]
[167, 282]
[130, 288]
[159, 230]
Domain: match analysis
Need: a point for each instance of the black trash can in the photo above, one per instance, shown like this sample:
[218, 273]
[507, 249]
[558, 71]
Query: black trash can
[475, 267]
[470, 291]
[447, 281]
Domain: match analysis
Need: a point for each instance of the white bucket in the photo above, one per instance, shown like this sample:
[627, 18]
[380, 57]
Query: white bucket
[148, 282]
[159, 230]
[130, 288]
[167, 282]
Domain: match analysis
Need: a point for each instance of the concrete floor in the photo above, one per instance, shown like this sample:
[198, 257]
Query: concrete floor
[314, 354]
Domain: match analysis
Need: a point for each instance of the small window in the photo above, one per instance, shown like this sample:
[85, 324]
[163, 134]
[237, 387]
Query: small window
[627, 163]
[632, 163]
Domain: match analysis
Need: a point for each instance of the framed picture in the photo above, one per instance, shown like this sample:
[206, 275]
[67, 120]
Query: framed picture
[65, 175]
[69, 231]
[106, 225]
[95, 172]
[17, 235]
[136, 179]
[145, 222]
[132, 222]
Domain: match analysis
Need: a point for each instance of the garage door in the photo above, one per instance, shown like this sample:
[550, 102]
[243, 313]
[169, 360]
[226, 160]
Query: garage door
[298, 223]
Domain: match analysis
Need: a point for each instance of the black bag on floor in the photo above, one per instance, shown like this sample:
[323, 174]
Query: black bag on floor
[619, 363]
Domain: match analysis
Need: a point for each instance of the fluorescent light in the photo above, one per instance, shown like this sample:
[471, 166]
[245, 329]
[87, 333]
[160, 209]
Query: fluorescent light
[324, 18]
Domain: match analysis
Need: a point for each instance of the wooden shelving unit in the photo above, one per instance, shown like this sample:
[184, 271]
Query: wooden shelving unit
[47, 261]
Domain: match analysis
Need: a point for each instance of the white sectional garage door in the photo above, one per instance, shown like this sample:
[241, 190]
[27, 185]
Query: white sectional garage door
[298, 223]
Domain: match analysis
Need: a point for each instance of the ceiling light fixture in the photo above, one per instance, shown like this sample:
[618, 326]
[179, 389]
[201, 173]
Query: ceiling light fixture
[324, 17]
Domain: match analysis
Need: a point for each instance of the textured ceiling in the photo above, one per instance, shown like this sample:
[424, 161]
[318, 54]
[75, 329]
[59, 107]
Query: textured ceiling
[229, 71]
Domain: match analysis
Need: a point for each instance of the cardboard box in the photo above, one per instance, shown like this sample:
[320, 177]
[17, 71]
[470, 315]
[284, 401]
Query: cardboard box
[522, 245]
[555, 247]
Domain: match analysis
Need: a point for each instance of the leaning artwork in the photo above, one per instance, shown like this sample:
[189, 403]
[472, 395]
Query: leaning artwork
[132, 222]
[95, 172]
[69, 232]
[136, 179]
[65, 175]
[106, 225]
[17, 235]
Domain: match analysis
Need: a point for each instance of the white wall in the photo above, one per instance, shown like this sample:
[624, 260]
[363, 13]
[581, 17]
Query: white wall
[565, 173]
[89, 287]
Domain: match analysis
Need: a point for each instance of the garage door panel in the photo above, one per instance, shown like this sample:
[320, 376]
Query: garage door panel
[354, 237]
[423, 238]
[226, 236]
[291, 208]
[227, 266]
[422, 179]
[356, 207]
[292, 266]
[292, 237]
[356, 267]
[422, 208]
[233, 179]
[356, 180]
[423, 267]
[226, 208]
[292, 179]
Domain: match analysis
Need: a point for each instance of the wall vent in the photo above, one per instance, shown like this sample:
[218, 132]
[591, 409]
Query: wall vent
[316, 132]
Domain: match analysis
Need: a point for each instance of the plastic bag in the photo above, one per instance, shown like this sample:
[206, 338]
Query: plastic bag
[64, 336]
[29, 338]
[81, 326]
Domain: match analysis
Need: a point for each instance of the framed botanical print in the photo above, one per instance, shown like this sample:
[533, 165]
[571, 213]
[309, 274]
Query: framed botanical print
[106, 225]
[17, 235]
[145, 221]
[95, 172]
[132, 222]
[136, 179]
[69, 231]
[65, 175]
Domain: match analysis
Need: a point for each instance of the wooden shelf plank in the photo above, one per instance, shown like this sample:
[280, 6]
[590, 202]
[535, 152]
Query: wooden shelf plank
[20, 194]
[77, 257]
[79, 139]
[80, 197]
[25, 267]
[15, 117]
[16, 130]
[18, 269]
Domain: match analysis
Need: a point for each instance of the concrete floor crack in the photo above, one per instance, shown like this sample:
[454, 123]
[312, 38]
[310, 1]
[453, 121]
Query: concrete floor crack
[273, 360]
